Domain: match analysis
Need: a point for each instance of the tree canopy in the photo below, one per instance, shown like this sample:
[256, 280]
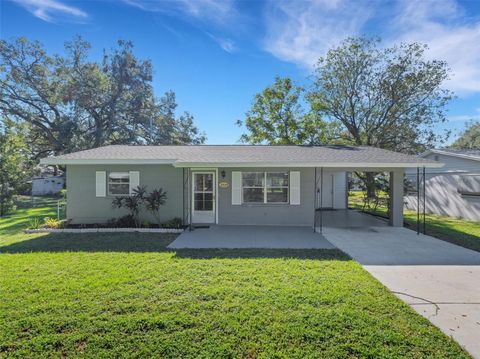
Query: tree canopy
[71, 102]
[388, 97]
[470, 138]
[278, 117]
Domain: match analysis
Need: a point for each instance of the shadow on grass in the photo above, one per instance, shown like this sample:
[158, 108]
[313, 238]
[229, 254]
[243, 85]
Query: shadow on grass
[318, 254]
[147, 242]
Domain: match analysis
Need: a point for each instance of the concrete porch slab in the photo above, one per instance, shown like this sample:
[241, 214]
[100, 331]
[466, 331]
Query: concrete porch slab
[251, 237]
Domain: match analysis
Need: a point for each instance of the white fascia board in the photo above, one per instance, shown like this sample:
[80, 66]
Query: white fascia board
[59, 161]
[309, 164]
[446, 153]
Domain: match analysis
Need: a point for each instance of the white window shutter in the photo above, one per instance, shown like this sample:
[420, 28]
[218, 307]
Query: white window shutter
[236, 188]
[134, 180]
[294, 187]
[100, 183]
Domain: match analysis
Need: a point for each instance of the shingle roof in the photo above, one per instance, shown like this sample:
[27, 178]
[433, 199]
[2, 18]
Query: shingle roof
[238, 155]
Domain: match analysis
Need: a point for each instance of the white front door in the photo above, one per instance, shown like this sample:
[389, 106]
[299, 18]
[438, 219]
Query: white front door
[203, 189]
[327, 190]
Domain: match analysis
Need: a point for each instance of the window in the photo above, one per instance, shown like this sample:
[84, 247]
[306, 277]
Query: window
[119, 183]
[265, 187]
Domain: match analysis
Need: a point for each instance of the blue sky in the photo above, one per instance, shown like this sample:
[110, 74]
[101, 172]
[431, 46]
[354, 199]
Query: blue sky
[216, 54]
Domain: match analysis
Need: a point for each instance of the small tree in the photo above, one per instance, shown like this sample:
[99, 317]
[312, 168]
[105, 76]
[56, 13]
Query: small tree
[14, 163]
[154, 200]
[132, 203]
[469, 139]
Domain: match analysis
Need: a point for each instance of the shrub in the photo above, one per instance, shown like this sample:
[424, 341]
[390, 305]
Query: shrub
[176, 223]
[53, 223]
[154, 200]
[34, 223]
[132, 203]
[128, 221]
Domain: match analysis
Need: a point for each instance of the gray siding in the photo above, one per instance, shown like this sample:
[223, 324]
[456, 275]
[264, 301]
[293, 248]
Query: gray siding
[84, 207]
[265, 214]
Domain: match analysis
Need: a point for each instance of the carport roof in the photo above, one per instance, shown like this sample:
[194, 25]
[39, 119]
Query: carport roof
[244, 156]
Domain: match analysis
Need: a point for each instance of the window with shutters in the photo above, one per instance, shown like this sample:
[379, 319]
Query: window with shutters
[118, 183]
[265, 187]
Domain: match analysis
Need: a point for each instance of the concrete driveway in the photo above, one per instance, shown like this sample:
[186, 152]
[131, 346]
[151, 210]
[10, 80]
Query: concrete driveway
[251, 237]
[440, 280]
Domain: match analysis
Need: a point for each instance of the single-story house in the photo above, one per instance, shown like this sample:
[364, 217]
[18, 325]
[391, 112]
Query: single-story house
[453, 190]
[228, 184]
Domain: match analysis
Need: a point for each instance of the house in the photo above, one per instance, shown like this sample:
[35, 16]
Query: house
[453, 190]
[228, 184]
[47, 185]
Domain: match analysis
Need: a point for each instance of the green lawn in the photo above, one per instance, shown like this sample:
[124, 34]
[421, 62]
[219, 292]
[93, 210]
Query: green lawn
[458, 231]
[126, 295]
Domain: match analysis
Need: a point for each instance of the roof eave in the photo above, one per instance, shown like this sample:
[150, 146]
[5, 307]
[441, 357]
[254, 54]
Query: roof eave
[307, 164]
[453, 154]
[60, 161]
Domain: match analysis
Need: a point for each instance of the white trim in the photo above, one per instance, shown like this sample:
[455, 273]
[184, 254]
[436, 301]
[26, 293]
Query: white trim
[100, 183]
[446, 153]
[236, 191]
[311, 164]
[179, 164]
[133, 181]
[60, 161]
[109, 194]
[215, 191]
[103, 230]
[265, 188]
[294, 181]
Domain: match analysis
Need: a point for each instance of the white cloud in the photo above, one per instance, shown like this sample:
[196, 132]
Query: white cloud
[302, 31]
[227, 45]
[218, 11]
[442, 26]
[47, 9]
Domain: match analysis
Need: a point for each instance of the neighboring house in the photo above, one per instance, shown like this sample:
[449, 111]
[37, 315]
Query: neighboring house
[48, 185]
[228, 184]
[453, 190]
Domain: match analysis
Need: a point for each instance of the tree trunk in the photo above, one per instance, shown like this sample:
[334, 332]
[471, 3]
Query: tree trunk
[370, 184]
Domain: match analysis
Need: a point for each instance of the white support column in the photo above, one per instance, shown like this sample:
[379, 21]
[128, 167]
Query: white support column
[396, 197]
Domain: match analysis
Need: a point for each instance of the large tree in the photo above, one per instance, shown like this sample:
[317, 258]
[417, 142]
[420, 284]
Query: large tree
[470, 138]
[277, 117]
[388, 97]
[72, 102]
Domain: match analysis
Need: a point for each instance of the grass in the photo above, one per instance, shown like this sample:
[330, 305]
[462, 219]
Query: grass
[127, 295]
[454, 230]
[27, 209]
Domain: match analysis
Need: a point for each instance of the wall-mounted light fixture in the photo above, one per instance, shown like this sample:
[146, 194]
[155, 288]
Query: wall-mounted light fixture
[223, 174]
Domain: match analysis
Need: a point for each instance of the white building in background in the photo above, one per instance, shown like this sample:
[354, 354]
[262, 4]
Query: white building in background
[48, 185]
[453, 190]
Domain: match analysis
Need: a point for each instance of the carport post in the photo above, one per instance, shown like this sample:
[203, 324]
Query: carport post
[418, 200]
[321, 199]
[396, 197]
